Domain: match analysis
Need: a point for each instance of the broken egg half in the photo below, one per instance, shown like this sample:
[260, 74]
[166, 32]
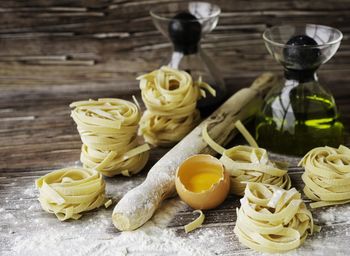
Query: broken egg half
[202, 182]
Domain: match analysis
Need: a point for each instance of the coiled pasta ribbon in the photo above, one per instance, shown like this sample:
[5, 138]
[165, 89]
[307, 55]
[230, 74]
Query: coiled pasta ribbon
[249, 163]
[70, 191]
[170, 97]
[327, 175]
[108, 130]
[272, 219]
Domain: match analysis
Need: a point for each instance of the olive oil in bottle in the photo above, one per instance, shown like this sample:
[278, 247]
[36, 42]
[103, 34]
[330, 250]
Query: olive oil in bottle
[299, 113]
[298, 119]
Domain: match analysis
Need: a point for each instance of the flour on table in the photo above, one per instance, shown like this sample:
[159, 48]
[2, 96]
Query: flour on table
[7, 216]
[335, 214]
[33, 232]
[84, 237]
[30, 231]
[30, 191]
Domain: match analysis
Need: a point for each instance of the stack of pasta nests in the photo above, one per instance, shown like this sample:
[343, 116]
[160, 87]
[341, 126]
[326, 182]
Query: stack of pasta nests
[170, 97]
[108, 130]
[108, 127]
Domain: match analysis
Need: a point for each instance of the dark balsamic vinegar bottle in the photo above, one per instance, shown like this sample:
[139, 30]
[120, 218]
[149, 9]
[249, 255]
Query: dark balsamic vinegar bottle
[300, 113]
[184, 24]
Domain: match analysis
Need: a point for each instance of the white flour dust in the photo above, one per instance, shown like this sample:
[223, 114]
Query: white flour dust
[28, 230]
[83, 237]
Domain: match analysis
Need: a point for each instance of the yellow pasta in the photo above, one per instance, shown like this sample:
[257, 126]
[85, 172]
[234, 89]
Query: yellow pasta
[327, 175]
[248, 163]
[170, 97]
[196, 223]
[108, 203]
[272, 219]
[108, 130]
[70, 191]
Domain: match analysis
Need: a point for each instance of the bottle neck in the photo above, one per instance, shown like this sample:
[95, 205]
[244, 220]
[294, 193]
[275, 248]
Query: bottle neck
[186, 49]
[301, 76]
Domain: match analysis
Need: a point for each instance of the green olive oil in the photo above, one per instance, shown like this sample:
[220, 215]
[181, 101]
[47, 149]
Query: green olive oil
[297, 123]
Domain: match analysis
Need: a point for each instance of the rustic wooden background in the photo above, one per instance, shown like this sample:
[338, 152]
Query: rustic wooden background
[53, 52]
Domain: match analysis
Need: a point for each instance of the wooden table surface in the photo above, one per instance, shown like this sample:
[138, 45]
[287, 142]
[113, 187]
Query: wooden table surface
[58, 51]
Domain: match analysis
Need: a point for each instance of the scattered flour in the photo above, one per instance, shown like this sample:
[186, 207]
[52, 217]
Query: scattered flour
[334, 214]
[7, 216]
[30, 191]
[32, 232]
[33, 207]
[71, 239]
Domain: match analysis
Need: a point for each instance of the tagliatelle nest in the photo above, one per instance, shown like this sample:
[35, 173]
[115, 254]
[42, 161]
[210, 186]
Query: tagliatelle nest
[272, 219]
[327, 175]
[108, 130]
[70, 191]
[248, 163]
[170, 97]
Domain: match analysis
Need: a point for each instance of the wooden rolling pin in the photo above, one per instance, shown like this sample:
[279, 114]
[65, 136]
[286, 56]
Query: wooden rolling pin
[139, 204]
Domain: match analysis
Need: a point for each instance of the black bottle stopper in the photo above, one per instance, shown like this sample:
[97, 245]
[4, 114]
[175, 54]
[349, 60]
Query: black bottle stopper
[302, 62]
[185, 32]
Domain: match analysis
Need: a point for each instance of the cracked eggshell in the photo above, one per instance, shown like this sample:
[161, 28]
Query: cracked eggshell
[201, 168]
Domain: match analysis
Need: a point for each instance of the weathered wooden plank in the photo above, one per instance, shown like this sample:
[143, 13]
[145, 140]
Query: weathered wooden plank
[57, 51]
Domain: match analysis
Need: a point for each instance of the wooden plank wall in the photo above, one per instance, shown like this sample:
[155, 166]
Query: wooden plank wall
[108, 40]
[53, 52]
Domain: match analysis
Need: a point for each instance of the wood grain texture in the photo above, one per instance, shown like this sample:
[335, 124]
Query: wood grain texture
[54, 52]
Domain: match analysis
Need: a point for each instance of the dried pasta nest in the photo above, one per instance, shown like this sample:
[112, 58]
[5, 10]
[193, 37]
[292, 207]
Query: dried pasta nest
[250, 164]
[108, 130]
[272, 219]
[327, 175]
[70, 191]
[170, 97]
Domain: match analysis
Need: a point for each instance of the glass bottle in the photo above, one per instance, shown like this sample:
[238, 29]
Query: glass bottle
[185, 24]
[300, 113]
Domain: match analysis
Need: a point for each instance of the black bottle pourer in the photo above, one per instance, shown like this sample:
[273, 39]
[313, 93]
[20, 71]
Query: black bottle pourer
[301, 62]
[185, 33]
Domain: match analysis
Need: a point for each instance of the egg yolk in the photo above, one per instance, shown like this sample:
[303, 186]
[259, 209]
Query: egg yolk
[201, 180]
